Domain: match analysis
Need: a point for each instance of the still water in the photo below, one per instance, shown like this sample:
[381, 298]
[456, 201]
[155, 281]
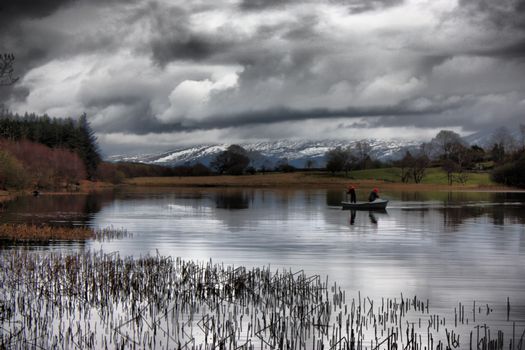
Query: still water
[445, 247]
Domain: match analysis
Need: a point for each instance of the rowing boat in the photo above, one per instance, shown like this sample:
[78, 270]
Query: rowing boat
[378, 204]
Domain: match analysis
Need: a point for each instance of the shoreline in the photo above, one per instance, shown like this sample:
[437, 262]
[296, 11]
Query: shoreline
[85, 187]
[300, 180]
[296, 180]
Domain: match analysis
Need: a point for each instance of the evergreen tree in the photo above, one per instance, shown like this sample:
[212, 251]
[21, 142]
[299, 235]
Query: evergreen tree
[54, 133]
[87, 147]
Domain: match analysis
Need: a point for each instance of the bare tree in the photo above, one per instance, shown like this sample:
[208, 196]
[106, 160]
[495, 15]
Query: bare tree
[233, 161]
[450, 167]
[419, 167]
[503, 138]
[414, 167]
[458, 163]
[444, 143]
[405, 164]
[362, 151]
[7, 70]
[338, 159]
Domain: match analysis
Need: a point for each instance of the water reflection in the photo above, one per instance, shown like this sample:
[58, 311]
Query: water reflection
[233, 199]
[78, 245]
[373, 216]
[353, 214]
[76, 209]
[373, 219]
[442, 246]
[334, 197]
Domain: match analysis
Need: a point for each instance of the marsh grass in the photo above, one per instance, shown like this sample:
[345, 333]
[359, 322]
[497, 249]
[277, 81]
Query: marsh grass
[43, 233]
[95, 301]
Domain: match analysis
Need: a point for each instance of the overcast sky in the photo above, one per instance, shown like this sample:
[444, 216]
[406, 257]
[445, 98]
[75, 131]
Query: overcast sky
[155, 75]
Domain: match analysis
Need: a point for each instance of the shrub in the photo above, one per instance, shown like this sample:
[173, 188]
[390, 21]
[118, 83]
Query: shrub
[200, 169]
[232, 161]
[12, 173]
[109, 172]
[130, 169]
[46, 167]
[511, 174]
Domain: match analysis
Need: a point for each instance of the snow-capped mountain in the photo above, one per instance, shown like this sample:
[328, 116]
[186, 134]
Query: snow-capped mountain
[268, 154]
[486, 138]
[298, 153]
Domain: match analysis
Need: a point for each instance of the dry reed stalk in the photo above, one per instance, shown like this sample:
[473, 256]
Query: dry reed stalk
[25, 232]
[95, 300]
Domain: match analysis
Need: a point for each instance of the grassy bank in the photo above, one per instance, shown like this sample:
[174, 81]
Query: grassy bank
[386, 178]
[434, 176]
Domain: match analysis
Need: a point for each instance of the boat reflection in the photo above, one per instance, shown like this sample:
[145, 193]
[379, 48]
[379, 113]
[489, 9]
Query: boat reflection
[372, 216]
[373, 219]
[353, 213]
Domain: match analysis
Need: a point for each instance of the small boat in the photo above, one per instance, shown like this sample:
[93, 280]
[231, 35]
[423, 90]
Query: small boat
[378, 204]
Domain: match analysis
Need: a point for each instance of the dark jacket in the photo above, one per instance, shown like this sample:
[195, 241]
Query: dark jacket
[351, 192]
[373, 196]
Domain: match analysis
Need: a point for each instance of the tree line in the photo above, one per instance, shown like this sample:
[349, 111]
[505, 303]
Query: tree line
[68, 134]
[43, 152]
[40, 152]
[504, 158]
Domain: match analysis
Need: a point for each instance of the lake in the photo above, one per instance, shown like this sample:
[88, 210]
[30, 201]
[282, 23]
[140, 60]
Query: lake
[449, 248]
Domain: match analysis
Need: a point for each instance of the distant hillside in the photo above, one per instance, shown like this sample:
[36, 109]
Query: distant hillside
[297, 153]
[268, 154]
[486, 138]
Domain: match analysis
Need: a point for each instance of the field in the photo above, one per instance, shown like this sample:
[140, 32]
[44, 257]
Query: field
[386, 178]
[434, 176]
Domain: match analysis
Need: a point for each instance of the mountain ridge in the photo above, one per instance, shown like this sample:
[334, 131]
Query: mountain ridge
[297, 153]
[270, 153]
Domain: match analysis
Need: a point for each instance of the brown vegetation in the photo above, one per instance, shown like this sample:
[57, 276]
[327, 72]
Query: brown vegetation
[29, 164]
[115, 173]
[24, 232]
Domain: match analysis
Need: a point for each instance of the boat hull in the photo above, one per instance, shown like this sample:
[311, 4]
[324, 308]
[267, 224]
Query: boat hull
[379, 204]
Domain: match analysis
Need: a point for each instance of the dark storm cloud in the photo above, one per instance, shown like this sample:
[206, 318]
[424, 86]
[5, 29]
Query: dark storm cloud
[33, 46]
[193, 47]
[13, 11]
[360, 6]
[143, 68]
[150, 124]
[514, 50]
[506, 16]
[252, 5]
[16, 10]
[12, 17]
[354, 6]
[173, 38]
[501, 13]
[136, 120]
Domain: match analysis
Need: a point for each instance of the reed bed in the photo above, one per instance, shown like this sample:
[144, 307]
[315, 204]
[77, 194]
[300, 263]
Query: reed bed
[96, 301]
[42, 233]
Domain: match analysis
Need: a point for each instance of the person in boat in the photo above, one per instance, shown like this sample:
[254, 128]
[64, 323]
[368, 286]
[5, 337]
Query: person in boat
[373, 195]
[351, 192]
